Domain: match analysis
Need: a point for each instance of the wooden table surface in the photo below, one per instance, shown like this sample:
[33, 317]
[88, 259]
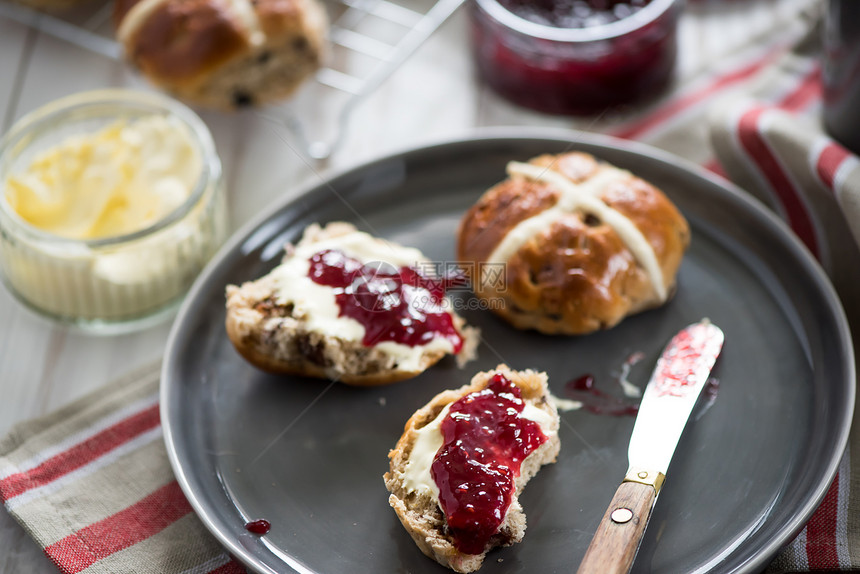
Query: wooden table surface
[433, 96]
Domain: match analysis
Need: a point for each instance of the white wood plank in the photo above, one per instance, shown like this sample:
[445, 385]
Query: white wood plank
[23, 342]
[430, 97]
[58, 68]
[260, 167]
[80, 363]
[14, 41]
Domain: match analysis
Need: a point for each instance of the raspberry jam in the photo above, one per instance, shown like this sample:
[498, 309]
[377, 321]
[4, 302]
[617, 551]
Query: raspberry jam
[485, 442]
[595, 401]
[259, 527]
[575, 57]
[399, 305]
[690, 354]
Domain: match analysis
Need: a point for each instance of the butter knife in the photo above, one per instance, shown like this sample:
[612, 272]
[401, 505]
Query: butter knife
[678, 379]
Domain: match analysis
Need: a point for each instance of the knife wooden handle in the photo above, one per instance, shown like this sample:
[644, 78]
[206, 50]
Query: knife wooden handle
[618, 535]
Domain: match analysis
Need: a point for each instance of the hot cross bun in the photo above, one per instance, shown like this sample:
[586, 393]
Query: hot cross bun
[571, 245]
[223, 53]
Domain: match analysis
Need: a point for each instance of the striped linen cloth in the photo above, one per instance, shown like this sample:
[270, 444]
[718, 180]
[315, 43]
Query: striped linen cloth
[91, 483]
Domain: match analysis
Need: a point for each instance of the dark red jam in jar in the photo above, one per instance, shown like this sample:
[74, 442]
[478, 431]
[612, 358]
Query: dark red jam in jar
[400, 305]
[485, 441]
[575, 57]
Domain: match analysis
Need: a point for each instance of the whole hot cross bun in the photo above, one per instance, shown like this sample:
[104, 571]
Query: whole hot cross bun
[570, 245]
[223, 54]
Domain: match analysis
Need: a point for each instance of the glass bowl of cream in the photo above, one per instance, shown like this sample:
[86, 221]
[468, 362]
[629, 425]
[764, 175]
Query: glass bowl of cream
[112, 202]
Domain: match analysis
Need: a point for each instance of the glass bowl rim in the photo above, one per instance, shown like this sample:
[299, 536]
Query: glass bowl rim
[639, 19]
[55, 111]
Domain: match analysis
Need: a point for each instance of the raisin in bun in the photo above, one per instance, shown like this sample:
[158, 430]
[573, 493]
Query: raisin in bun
[223, 54]
[572, 245]
[287, 323]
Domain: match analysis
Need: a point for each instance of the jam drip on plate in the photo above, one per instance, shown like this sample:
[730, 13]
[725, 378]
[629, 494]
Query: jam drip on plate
[596, 401]
[259, 527]
[399, 305]
[485, 443]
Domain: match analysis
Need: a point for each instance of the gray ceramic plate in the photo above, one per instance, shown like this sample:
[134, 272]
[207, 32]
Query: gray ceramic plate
[309, 456]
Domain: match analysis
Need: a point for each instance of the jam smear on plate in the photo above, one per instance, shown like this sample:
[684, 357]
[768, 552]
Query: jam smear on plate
[400, 305]
[485, 443]
[596, 401]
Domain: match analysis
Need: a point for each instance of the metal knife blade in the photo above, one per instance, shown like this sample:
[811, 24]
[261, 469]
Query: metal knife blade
[678, 379]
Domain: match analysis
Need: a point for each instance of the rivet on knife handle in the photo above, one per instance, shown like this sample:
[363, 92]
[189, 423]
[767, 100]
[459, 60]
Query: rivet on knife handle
[619, 533]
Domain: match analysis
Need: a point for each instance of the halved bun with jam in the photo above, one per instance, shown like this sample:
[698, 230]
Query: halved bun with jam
[572, 245]
[463, 460]
[346, 306]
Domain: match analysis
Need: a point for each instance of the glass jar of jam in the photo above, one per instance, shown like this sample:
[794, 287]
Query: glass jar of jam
[841, 72]
[575, 57]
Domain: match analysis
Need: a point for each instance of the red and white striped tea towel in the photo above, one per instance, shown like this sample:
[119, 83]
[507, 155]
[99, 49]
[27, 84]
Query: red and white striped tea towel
[790, 164]
[92, 485]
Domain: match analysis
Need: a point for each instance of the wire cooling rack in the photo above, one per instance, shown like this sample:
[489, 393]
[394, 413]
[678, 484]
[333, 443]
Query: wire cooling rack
[369, 39]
